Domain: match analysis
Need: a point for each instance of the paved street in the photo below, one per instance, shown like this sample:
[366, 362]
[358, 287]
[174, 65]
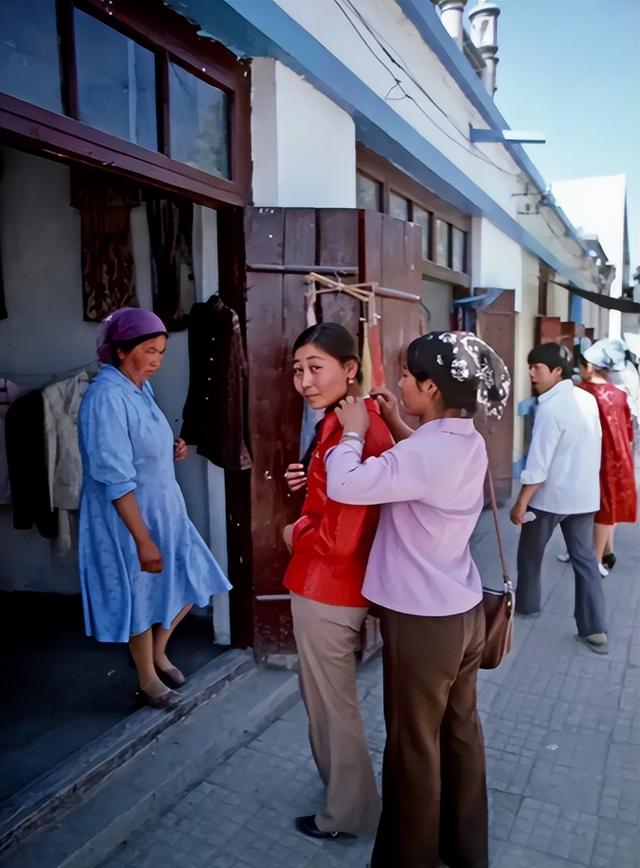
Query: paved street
[563, 748]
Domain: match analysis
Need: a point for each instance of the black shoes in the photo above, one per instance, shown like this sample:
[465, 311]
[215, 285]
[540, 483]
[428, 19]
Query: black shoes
[307, 825]
[173, 678]
[166, 701]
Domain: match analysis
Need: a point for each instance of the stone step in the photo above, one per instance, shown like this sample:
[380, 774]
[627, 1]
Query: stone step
[81, 811]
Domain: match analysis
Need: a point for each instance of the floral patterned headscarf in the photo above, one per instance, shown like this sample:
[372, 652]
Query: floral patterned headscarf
[468, 372]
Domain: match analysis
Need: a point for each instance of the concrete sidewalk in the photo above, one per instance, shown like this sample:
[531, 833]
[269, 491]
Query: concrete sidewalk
[563, 750]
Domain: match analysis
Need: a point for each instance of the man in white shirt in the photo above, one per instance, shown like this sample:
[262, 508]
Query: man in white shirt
[561, 486]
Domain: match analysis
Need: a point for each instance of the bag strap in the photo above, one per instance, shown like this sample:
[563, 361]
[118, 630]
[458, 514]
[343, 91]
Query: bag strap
[508, 587]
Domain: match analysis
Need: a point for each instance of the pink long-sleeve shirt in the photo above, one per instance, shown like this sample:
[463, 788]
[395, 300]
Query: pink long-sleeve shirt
[431, 490]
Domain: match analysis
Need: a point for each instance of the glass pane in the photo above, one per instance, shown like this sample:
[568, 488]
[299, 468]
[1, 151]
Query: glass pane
[29, 65]
[442, 243]
[368, 193]
[116, 83]
[458, 245]
[398, 206]
[423, 218]
[199, 123]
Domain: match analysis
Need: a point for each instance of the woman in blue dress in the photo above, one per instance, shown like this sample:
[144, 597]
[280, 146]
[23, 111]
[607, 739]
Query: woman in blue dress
[143, 564]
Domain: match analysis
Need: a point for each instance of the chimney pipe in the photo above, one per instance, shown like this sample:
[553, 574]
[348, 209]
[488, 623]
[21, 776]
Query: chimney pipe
[451, 15]
[484, 33]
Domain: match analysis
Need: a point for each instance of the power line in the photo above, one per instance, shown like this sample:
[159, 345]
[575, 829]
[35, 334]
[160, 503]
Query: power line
[401, 65]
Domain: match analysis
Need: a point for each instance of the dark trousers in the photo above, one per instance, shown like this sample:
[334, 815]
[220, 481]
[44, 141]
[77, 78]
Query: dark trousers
[434, 795]
[577, 530]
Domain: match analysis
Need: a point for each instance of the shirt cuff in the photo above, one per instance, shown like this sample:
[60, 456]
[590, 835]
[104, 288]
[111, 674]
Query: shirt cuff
[530, 477]
[344, 448]
[300, 526]
[118, 489]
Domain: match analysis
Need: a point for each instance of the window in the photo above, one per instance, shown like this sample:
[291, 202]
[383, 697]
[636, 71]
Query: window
[398, 206]
[445, 230]
[423, 218]
[199, 119]
[442, 243]
[29, 66]
[368, 193]
[116, 82]
[458, 249]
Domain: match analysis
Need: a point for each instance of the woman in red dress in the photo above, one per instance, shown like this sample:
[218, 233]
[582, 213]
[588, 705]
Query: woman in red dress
[618, 494]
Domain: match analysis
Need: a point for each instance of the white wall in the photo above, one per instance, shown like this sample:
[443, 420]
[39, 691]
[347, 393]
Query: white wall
[496, 260]
[303, 144]
[45, 335]
[443, 119]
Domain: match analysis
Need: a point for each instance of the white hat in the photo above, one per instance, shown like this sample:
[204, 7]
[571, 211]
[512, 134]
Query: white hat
[606, 353]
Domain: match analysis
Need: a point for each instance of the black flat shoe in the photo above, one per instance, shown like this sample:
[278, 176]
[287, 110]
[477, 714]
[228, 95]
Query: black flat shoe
[167, 701]
[609, 560]
[173, 678]
[307, 825]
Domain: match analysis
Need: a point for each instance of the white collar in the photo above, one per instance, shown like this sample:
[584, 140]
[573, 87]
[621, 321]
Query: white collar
[562, 386]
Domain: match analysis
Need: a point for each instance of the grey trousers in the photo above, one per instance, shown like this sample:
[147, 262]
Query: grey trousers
[577, 530]
[328, 638]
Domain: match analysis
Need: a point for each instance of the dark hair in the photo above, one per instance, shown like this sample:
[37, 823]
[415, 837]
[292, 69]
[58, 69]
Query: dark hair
[335, 340]
[430, 358]
[553, 356]
[130, 344]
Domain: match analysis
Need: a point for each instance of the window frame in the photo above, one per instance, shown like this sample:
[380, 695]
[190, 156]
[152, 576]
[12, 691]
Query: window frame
[376, 168]
[172, 39]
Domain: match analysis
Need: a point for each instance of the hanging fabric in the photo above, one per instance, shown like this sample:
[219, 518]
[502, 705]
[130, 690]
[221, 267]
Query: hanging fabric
[9, 392]
[215, 412]
[105, 202]
[172, 278]
[3, 308]
[26, 457]
[64, 465]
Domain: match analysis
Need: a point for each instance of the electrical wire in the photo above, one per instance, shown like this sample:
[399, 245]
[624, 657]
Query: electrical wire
[399, 85]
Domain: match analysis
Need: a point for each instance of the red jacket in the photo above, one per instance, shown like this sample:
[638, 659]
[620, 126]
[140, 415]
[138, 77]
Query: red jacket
[331, 541]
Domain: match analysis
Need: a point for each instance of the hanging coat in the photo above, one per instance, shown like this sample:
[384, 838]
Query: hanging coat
[214, 415]
[26, 457]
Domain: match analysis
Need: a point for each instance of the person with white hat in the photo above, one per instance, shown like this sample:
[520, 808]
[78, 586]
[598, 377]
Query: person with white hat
[618, 496]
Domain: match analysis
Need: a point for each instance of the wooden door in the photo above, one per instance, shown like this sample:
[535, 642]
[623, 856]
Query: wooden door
[496, 326]
[281, 247]
[548, 330]
[568, 334]
[390, 255]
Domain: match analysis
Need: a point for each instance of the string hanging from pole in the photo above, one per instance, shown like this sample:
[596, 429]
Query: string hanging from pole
[365, 293]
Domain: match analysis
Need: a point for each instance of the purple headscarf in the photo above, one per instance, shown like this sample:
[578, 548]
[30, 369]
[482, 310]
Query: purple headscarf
[125, 324]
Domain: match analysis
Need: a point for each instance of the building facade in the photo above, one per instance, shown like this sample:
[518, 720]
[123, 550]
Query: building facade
[332, 137]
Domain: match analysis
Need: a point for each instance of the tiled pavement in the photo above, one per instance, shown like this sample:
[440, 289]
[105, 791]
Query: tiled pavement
[563, 750]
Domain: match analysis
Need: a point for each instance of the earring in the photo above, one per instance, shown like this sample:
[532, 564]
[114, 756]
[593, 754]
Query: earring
[351, 381]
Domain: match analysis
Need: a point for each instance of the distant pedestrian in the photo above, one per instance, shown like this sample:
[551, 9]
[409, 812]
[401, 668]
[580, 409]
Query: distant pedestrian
[618, 497]
[422, 575]
[329, 546]
[560, 485]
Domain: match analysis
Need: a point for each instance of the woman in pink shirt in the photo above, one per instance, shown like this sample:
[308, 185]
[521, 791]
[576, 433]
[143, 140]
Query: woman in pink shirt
[422, 575]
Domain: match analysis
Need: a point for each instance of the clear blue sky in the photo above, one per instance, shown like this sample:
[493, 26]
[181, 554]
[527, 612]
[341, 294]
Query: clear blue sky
[571, 70]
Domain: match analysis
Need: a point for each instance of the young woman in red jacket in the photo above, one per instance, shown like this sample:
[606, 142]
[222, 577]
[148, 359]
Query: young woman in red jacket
[329, 547]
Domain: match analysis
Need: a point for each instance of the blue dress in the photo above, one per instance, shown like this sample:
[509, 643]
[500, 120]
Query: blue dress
[126, 445]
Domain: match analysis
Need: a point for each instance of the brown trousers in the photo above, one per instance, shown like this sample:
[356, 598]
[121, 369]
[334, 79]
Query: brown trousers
[328, 638]
[434, 796]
